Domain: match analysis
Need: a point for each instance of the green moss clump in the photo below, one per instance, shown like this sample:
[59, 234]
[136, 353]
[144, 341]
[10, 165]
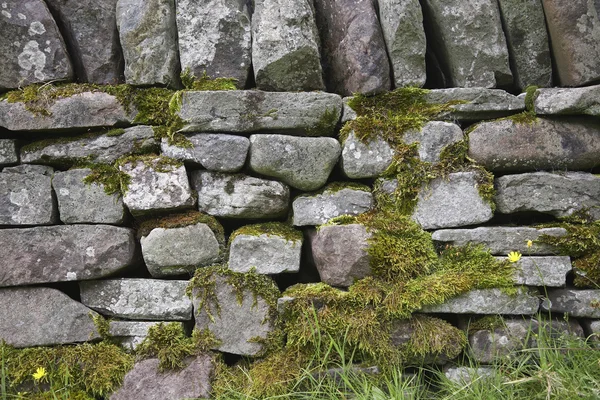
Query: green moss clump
[489, 323]
[524, 118]
[327, 123]
[270, 229]
[530, 96]
[205, 82]
[110, 177]
[115, 132]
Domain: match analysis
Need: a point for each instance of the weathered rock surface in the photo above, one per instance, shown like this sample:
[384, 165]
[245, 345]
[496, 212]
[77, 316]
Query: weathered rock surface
[489, 301]
[236, 323]
[354, 51]
[79, 202]
[574, 30]
[139, 299]
[542, 271]
[505, 146]
[215, 38]
[592, 328]
[130, 334]
[576, 303]
[301, 162]
[402, 26]
[340, 253]
[32, 48]
[268, 253]
[84, 110]
[472, 104]
[90, 29]
[500, 240]
[285, 46]
[148, 34]
[155, 187]
[527, 39]
[26, 196]
[451, 201]
[42, 317]
[312, 113]
[568, 101]
[433, 138]
[365, 160]
[215, 152]
[176, 251]
[471, 42]
[466, 375]
[333, 202]
[8, 152]
[146, 381]
[348, 113]
[240, 196]
[102, 148]
[560, 194]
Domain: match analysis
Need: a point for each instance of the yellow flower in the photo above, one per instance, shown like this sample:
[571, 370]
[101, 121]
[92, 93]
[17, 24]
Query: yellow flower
[529, 243]
[39, 374]
[514, 256]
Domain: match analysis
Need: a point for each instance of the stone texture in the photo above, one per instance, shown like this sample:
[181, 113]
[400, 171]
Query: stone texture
[138, 299]
[214, 152]
[26, 197]
[466, 375]
[576, 303]
[451, 201]
[365, 160]
[237, 324]
[354, 53]
[100, 148]
[146, 381]
[240, 196]
[215, 38]
[542, 271]
[91, 34]
[176, 251]
[574, 32]
[489, 301]
[470, 42]
[148, 36]
[568, 101]
[402, 26]
[84, 110]
[592, 328]
[268, 253]
[560, 194]
[301, 162]
[332, 202]
[500, 240]
[156, 187]
[312, 113]
[79, 202]
[32, 48]
[285, 46]
[475, 104]
[433, 138]
[340, 253]
[130, 334]
[8, 152]
[348, 114]
[509, 146]
[527, 39]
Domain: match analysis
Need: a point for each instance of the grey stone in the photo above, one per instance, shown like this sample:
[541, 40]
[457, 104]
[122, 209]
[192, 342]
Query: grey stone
[103, 148]
[509, 146]
[354, 53]
[489, 301]
[592, 328]
[340, 253]
[365, 160]
[301, 162]
[527, 39]
[560, 194]
[215, 38]
[8, 152]
[32, 48]
[471, 42]
[574, 30]
[312, 113]
[268, 253]
[501, 240]
[90, 30]
[156, 187]
[452, 201]
[83, 110]
[348, 114]
[466, 375]
[550, 271]
[39, 316]
[79, 202]
[148, 36]
[237, 324]
[146, 381]
[320, 208]
[30, 169]
[475, 104]
[176, 251]
[131, 333]
[138, 299]
[240, 196]
[26, 197]
[568, 101]
[285, 46]
[404, 35]
[214, 152]
[434, 137]
[576, 303]
[64, 253]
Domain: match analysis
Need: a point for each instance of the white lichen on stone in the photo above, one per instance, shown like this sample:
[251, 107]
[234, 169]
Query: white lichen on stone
[32, 58]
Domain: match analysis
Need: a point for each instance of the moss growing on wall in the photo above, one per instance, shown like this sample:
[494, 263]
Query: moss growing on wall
[205, 82]
[111, 177]
[270, 229]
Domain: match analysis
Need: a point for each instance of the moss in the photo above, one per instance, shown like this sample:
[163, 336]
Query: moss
[205, 82]
[102, 325]
[42, 144]
[326, 124]
[530, 96]
[270, 229]
[156, 162]
[432, 338]
[489, 323]
[115, 132]
[524, 118]
[110, 177]
[335, 187]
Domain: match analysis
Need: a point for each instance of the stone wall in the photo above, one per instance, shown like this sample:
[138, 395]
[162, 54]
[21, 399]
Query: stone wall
[261, 148]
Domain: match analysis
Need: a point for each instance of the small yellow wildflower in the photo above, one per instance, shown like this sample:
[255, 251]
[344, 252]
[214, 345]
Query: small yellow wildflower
[529, 243]
[514, 256]
[39, 374]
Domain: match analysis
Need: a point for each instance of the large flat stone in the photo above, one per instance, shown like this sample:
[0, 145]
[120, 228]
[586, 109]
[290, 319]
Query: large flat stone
[475, 104]
[43, 317]
[433, 138]
[365, 160]
[138, 299]
[489, 301]
[8, 152]
[317, 209]
[576, 303]
[568, 101]
[549, 271]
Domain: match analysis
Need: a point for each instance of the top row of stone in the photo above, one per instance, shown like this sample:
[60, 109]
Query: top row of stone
[344, 46]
